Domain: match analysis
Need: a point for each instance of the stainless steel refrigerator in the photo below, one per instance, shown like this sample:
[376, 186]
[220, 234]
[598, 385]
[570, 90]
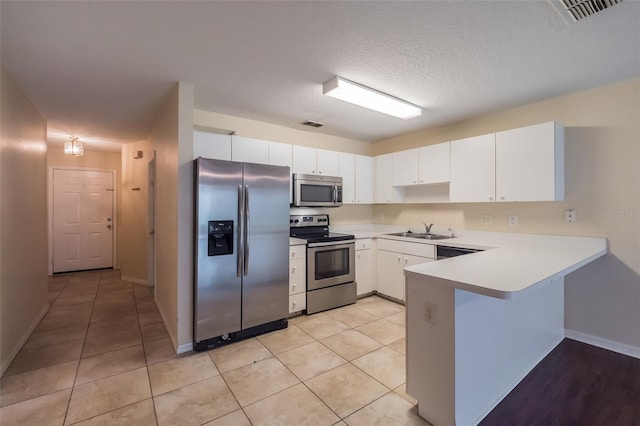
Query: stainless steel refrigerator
[241, 270]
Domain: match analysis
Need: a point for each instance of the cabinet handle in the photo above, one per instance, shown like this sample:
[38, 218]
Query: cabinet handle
[293, 254]
[399, 258]
[319, 172]
[358, 256]
[421, 181]
[293, 269]
[406, 260]
[293, 287]
[414, 181]
[502, 198]
[294, 304]
[490, 198]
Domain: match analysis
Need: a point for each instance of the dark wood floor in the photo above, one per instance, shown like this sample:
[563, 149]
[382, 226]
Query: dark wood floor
[576, 384]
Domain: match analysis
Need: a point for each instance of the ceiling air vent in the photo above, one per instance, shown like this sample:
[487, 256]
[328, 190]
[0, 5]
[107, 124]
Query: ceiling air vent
[580, 9]
[312, 123]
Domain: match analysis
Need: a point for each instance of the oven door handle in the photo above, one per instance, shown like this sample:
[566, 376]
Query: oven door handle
[331, 243]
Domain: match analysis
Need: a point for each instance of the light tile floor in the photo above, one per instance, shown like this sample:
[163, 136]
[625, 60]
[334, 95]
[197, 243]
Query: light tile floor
[102, 356]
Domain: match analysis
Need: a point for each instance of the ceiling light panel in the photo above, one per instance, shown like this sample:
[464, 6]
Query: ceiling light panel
[363, 96]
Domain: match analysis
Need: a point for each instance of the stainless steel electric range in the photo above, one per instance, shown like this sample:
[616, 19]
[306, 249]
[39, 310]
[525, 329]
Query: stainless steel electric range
[330, 262]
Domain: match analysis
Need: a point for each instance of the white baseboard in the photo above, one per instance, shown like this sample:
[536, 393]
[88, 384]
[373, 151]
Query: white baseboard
[186, 347]
[180, 349]
[135, 280]
[7, 361]
[621, 348]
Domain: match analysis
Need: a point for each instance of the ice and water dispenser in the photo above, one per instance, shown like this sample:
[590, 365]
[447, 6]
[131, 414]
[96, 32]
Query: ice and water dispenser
[220, 237]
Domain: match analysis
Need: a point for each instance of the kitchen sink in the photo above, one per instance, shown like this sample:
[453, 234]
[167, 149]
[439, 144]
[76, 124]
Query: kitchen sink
[420, 235]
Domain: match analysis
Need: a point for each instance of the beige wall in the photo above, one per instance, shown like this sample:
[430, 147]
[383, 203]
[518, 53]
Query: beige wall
[164, 139]
[277, 133]
[172, 139]
[23, 213]
[185, 215]
[91, 159]
[133, 223]
[602, 183]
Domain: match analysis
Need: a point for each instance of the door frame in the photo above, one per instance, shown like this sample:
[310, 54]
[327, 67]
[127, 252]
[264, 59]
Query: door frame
[114, 210]
[151, 224]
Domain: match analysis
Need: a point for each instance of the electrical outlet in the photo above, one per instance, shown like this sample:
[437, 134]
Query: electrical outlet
[570, 215]
[485, 219]
[430, 310]
[513, 220]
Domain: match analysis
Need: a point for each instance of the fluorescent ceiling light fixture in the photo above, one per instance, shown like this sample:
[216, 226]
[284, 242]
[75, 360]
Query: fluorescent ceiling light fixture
[358, 94]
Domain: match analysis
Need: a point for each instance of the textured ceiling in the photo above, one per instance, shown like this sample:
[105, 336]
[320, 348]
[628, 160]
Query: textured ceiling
[98, 69]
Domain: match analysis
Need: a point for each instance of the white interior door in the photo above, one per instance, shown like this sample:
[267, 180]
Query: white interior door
[82, 220]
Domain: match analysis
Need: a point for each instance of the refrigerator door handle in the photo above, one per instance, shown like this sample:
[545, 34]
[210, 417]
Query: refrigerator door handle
[246, 229]
[240, 231]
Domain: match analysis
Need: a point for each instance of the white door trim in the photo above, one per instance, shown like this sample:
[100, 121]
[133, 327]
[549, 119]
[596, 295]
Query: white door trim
[114, 174]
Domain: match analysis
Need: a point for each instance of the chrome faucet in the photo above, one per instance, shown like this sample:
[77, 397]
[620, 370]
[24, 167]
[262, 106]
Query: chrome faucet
[427, 227]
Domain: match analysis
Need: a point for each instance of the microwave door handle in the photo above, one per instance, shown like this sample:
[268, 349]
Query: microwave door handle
[335, 194]
[240, 231]
[246, 230]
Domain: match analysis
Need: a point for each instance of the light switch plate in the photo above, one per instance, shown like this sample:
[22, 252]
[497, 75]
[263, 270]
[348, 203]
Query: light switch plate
[513, 220]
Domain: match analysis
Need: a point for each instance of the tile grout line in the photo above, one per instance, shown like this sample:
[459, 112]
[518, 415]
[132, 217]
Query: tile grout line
[73, 386]
[144, 353]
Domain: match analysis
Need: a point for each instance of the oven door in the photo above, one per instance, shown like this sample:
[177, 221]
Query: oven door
[330, 264]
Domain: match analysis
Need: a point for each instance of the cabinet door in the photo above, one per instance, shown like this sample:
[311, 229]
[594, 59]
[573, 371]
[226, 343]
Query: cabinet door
[280, 154]
[405, 168]
[249, 150]
[383, 172]
[328, 162]
[297, 276]
[530, 163]
[364, 179]
[211, 145]
[364, 271]
[435, 163]
[348, 174]
[304, 160]
[473, 169]
[389, 272]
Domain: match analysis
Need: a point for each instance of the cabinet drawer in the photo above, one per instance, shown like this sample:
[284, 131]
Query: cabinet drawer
[416, 249]
[297, 302]
[297, 252]
[364, 244]
[297, 276]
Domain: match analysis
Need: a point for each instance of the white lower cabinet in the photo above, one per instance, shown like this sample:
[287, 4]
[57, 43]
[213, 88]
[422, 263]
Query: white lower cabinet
[365, 266]
[392, 257]
[297, 278]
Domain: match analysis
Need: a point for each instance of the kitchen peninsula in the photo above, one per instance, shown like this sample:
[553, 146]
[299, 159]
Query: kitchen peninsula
[477, 324]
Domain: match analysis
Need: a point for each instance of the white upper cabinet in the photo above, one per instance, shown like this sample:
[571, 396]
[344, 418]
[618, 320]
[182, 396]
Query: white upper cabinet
[530, 163]
[364, 179]
[405, 167]
[280, 154]
[304, 160]
[348, 174]
[383, 179]
[211, 145]
[434, 163]
[249, 150]
[328, 162]
[473, 169]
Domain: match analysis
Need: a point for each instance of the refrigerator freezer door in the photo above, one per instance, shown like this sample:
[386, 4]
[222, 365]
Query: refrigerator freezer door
[218, 288]
[266, 283]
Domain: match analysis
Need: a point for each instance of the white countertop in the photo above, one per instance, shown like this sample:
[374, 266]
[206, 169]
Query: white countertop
[296, 242]
[510, 264]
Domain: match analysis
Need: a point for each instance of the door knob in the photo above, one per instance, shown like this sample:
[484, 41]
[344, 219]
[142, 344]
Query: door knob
[109, 226]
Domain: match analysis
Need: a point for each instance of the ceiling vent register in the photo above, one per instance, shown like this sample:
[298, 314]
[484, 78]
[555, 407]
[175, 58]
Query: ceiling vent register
[580, 9]
[312, 123]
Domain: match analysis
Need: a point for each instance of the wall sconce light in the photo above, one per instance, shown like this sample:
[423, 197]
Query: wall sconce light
[74, 147]
[363, 96]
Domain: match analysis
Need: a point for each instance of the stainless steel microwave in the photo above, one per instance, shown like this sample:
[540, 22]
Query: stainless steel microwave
[316, 191]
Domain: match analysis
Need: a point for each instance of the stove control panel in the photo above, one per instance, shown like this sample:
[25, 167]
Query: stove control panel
[308, 220]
